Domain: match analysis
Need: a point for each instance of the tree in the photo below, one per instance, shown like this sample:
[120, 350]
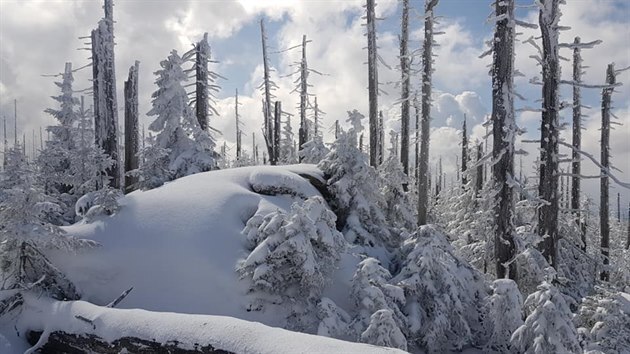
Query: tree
[441, 292]
[505, 314]
[464, 152]
[104, 88]
[237, 117]
[398, 211]
[132, 143]
[548, 327]
[288, 155]
[372, 83]
[354, 183]
[293, 254]
[383, 331]
[405, 97]
[268, 85]
[427, 71]
[549, 17]
[190, 149]
[504, 132]
[604, 215]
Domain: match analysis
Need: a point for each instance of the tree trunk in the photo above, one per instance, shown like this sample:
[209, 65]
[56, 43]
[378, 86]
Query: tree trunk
[381, 138]
[276, 131]
[303, 131]
[201, 82]
[405, 83]
[604, 219]
[427, 70]
[238, 127]
[464, 153]
[417, 142]
[267, 99]
[479, 176]
[132, 145]
[548, 185]
[104, 90]
[628, 235]
[372, 84]
[503, 135]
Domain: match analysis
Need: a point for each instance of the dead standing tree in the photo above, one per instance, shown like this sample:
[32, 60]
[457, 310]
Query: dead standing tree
[604, 216]
[104, 90]
[268, 86]
[132, 144]
[405, 91]
[372, 84]
[427, 71]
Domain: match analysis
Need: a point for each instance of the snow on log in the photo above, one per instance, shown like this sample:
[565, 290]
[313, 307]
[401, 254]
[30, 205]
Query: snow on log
[54, 326]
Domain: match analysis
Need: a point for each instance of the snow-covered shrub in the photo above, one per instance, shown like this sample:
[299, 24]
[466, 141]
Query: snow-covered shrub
[313, 151]
[384, 331]
[443, 293]
[504, 315]
[189, 148]
[101, 202]
[295, 254]
[355, 187]
[533, 269]
[548, 327]
[334, 322]
[371, 292]
[606, 317]
[154, 170]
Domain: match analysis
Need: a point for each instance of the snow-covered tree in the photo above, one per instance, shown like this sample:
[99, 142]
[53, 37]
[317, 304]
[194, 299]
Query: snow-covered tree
[23, 210]
[372, 292]
[393, 177]
[314, 150]
[354, 183]
[504, 315]
[334, 322]
[548, 327]
[288, 155]
[384, 331]
[293, 256]
[605, 315]
[190, 149]
[442, 292]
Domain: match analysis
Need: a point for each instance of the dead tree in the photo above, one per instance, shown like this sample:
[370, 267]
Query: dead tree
[405, 83]
[303, 86]
[202, 50]
[604, 218]
[238, 126]
[276, 130]
[550, 126]
[132, 145]
[416, 107]
[381, 138]
[104, 90]
[628, 235]
[267, 86]
[427, 70]
[479, 175]
[504, 131]
[464, 153]
[372, 84]
[619, 207]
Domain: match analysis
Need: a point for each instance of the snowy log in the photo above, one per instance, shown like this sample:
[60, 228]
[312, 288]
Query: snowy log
[52, 327]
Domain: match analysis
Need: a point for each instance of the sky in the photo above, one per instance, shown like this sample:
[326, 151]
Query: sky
[38, 36]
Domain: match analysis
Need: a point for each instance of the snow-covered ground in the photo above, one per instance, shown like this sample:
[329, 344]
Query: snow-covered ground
[178, 246]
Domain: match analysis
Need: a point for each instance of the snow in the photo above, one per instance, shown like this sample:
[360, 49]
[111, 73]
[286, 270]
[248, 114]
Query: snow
[230, 334]
[178, 245]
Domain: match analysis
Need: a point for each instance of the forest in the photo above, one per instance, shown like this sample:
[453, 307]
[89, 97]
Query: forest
[344, 232]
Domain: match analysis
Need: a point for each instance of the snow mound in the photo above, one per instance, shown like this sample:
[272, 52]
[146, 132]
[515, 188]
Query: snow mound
[189, 331]
[178, 245]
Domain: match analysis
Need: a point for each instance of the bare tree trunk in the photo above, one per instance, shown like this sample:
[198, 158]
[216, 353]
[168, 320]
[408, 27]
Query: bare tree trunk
[619, 207]
[427, 70]
[201, 81]
[238, 127]
[503, 135]
[336, 129]
[548, 185]
[417, 143]
[405, 72]
[276, 131]
[268, 130]
[303, 131]
[104, 88]
[464, 153]
[628, 236]
[479, 177]
[132, 145]
[604, 216]
[372, 84]
[381, 138]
